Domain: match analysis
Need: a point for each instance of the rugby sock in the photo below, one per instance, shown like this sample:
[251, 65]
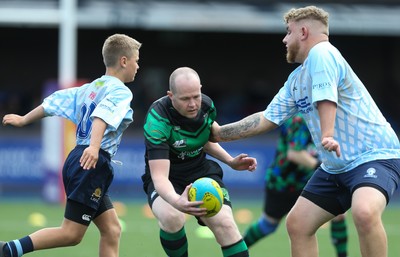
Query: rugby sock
[17, 248]
[174, 244]
[238, 249]
[339, 237]
[258, 230]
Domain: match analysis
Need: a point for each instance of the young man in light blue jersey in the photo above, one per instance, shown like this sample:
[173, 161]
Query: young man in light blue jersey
[360, 151]
[101, 110]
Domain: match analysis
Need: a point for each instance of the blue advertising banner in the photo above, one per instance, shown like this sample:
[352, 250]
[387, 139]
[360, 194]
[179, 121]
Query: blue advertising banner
[20, 161]
[22, 171]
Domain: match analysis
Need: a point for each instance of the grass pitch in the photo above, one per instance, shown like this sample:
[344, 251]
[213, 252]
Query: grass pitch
[140, 231]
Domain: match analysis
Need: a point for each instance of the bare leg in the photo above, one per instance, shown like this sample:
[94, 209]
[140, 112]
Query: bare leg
[224, 227]
[70, 233]
[169, 219]
[368, 205]
[302, 223]
[110, 233]
[172, 231]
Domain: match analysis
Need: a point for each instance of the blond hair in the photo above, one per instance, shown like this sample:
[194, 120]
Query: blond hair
[119, 45]
[308, 13]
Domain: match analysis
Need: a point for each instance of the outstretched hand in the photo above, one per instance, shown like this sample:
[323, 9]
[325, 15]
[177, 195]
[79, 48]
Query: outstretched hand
[243, 162]
[330, 144]
[14, 120]
[193, 208]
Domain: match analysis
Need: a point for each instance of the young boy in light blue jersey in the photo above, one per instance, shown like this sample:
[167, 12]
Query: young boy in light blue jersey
[101, 110]
[359, 150]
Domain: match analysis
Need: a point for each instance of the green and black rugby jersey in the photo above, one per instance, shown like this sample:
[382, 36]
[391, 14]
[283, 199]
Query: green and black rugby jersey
[169, 135]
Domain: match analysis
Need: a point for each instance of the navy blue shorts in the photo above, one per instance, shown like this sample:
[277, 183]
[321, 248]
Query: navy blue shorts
[333, 192]
[87, 187]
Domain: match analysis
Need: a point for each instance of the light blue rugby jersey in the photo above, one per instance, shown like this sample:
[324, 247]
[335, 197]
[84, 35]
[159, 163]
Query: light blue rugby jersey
[360, 128]
[106, 98]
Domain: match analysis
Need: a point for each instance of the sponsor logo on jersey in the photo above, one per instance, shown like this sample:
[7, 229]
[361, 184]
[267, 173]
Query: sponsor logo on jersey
[179, 143]
[304, 106]
[303, 103]
[99, 84]
[321, 85]
[370, 173]
[92, 95]
[96, 195]
[194, 153]
[86, 217]
[111, 101]
[106, 107]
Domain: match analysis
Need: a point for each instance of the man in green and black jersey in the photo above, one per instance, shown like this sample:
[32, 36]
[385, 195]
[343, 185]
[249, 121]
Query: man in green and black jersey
[177, 128]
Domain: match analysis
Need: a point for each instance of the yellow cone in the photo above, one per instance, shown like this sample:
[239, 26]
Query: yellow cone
[37, 219]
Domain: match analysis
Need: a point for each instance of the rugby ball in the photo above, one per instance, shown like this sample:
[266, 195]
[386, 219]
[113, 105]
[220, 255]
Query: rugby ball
[208, 191]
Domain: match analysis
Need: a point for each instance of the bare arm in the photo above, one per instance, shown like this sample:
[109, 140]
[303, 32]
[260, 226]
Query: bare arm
[90, 155]
[252, 125]
[302, 158]
[159, 170]
[327, 114]
[240, 162]
[20, 121]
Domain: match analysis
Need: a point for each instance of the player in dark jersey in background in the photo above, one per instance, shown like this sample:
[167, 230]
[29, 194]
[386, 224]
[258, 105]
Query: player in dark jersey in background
[177, 128]
[295, 161]
[101, 110]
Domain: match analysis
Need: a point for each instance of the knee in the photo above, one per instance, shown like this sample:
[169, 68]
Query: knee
[293, 225]
[112, 231]
[115, 230]
[365, 219]
[227, 224]
[224, 229]
[172, 221]
[223, 225]
[72, 239]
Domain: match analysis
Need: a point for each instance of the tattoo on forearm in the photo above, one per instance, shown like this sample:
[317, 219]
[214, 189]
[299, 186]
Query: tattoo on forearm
[244, 128]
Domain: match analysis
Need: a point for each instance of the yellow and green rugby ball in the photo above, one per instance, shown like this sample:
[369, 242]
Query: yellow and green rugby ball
[208, 191]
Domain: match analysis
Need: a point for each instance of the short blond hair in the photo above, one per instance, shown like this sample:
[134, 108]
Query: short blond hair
[119, 45]
[307, 13]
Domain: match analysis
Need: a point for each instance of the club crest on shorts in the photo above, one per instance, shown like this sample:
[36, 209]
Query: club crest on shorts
[370, 173]
[96, 195]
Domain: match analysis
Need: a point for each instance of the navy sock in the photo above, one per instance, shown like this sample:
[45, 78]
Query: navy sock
[17, 248]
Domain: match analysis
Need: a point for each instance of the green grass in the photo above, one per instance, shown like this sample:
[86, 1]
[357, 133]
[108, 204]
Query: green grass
[140, 237]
